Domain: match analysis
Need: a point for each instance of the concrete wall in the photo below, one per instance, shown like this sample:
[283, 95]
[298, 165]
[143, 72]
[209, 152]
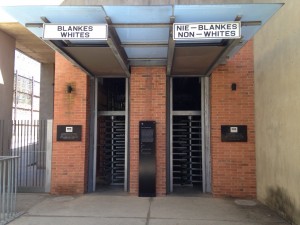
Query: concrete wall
[277, 107]
[7, 58]
[46, 94]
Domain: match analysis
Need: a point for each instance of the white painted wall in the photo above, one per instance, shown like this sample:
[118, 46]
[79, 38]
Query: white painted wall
[7, 55]
[277, 108]
[46, 93]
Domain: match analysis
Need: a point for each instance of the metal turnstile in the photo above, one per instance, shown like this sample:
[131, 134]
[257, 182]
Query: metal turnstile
[112, 149]
[187, 150]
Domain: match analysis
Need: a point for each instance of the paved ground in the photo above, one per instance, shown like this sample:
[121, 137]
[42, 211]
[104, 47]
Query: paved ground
[88, 209]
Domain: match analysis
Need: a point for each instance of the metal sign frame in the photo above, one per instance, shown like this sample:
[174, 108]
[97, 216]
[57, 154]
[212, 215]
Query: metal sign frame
[198, 31]
[75, 31]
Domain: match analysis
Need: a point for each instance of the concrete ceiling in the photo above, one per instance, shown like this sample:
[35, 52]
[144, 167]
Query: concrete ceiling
[28, 43]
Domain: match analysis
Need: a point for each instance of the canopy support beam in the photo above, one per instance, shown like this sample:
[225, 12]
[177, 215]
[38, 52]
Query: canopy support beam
[171, 47]
[114, 43]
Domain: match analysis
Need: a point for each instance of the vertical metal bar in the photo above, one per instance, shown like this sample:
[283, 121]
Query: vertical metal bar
[205, 114]
[41, 146]
[1, 137]
[16, 95]
[32, 154]
[35, 151]
[17, 150]
[190, 148]
[95, 134]
[126, 162]
[32, 96]
[21, 152]
[171, 134]
[39, 133]
[27, 151]
[112, 148]
[203, 134]
[91, 135]
[1, 194]
[3, 190]
[14, 169]
[48, 155]
[168, 134]
[9, 198]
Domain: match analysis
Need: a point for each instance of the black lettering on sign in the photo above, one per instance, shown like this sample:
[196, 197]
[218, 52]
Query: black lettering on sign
[186, 34]
[182, 27]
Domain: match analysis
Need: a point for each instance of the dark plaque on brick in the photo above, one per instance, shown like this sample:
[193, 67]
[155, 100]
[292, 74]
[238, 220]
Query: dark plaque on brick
[234, 133]
[69, 132]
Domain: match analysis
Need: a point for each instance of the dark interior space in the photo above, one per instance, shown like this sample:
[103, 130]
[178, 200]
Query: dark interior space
[111, 135]
[186, 94]
[186, 136]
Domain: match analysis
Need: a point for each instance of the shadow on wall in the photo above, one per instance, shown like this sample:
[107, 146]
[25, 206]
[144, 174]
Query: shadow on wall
[279, 200]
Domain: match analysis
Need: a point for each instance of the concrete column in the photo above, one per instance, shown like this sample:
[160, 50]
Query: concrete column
[7, 58]
[46, 93]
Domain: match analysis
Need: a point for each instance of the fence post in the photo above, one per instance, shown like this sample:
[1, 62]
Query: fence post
[48, 155]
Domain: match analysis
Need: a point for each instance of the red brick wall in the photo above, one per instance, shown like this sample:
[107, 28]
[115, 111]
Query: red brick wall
[148, 102]
[233, 163]
[69, 159]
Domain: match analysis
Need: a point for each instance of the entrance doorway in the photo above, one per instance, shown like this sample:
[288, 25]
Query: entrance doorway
[186, 135]
[111, 151]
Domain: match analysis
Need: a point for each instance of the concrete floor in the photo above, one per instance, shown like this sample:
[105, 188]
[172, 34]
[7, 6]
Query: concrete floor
[97, 208]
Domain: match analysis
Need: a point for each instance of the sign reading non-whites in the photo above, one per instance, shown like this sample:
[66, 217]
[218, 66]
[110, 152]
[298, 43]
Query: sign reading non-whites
[221, 30]
[75, 31]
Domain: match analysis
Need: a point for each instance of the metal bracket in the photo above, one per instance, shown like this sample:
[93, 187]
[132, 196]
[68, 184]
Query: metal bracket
[171, 47]
[231, 44]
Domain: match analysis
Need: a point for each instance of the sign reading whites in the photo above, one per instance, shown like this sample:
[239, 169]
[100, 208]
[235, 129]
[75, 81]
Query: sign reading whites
[69, 132]
[221, 30]
[75, 31]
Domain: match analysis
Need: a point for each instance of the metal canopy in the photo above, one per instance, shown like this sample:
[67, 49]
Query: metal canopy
[142, 35]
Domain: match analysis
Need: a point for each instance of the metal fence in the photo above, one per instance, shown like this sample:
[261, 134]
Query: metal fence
[30, 141]
[5, 137]
[8, 188]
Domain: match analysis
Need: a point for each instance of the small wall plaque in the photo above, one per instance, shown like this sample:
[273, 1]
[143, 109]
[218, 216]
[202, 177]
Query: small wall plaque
[234, 133]
[69, 132]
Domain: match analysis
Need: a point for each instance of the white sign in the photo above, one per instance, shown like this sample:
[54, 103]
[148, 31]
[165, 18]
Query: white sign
[233, 129]
[75, 31]
[192, 31]
[69, 129]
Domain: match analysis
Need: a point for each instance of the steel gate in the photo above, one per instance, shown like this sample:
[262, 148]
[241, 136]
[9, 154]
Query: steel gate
[112, 149]
[187, 149]
[189, 163]
[32, 142]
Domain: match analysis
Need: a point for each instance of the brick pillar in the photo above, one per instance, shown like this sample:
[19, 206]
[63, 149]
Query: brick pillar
[69, 159]
[233, 163]
[148, 102]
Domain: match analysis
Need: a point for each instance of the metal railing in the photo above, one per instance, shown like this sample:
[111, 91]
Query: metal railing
[8, 188]
[30, 142]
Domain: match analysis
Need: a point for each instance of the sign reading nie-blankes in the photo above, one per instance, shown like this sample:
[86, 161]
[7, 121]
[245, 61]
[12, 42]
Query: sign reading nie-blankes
[75, 32]
[193, 31]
